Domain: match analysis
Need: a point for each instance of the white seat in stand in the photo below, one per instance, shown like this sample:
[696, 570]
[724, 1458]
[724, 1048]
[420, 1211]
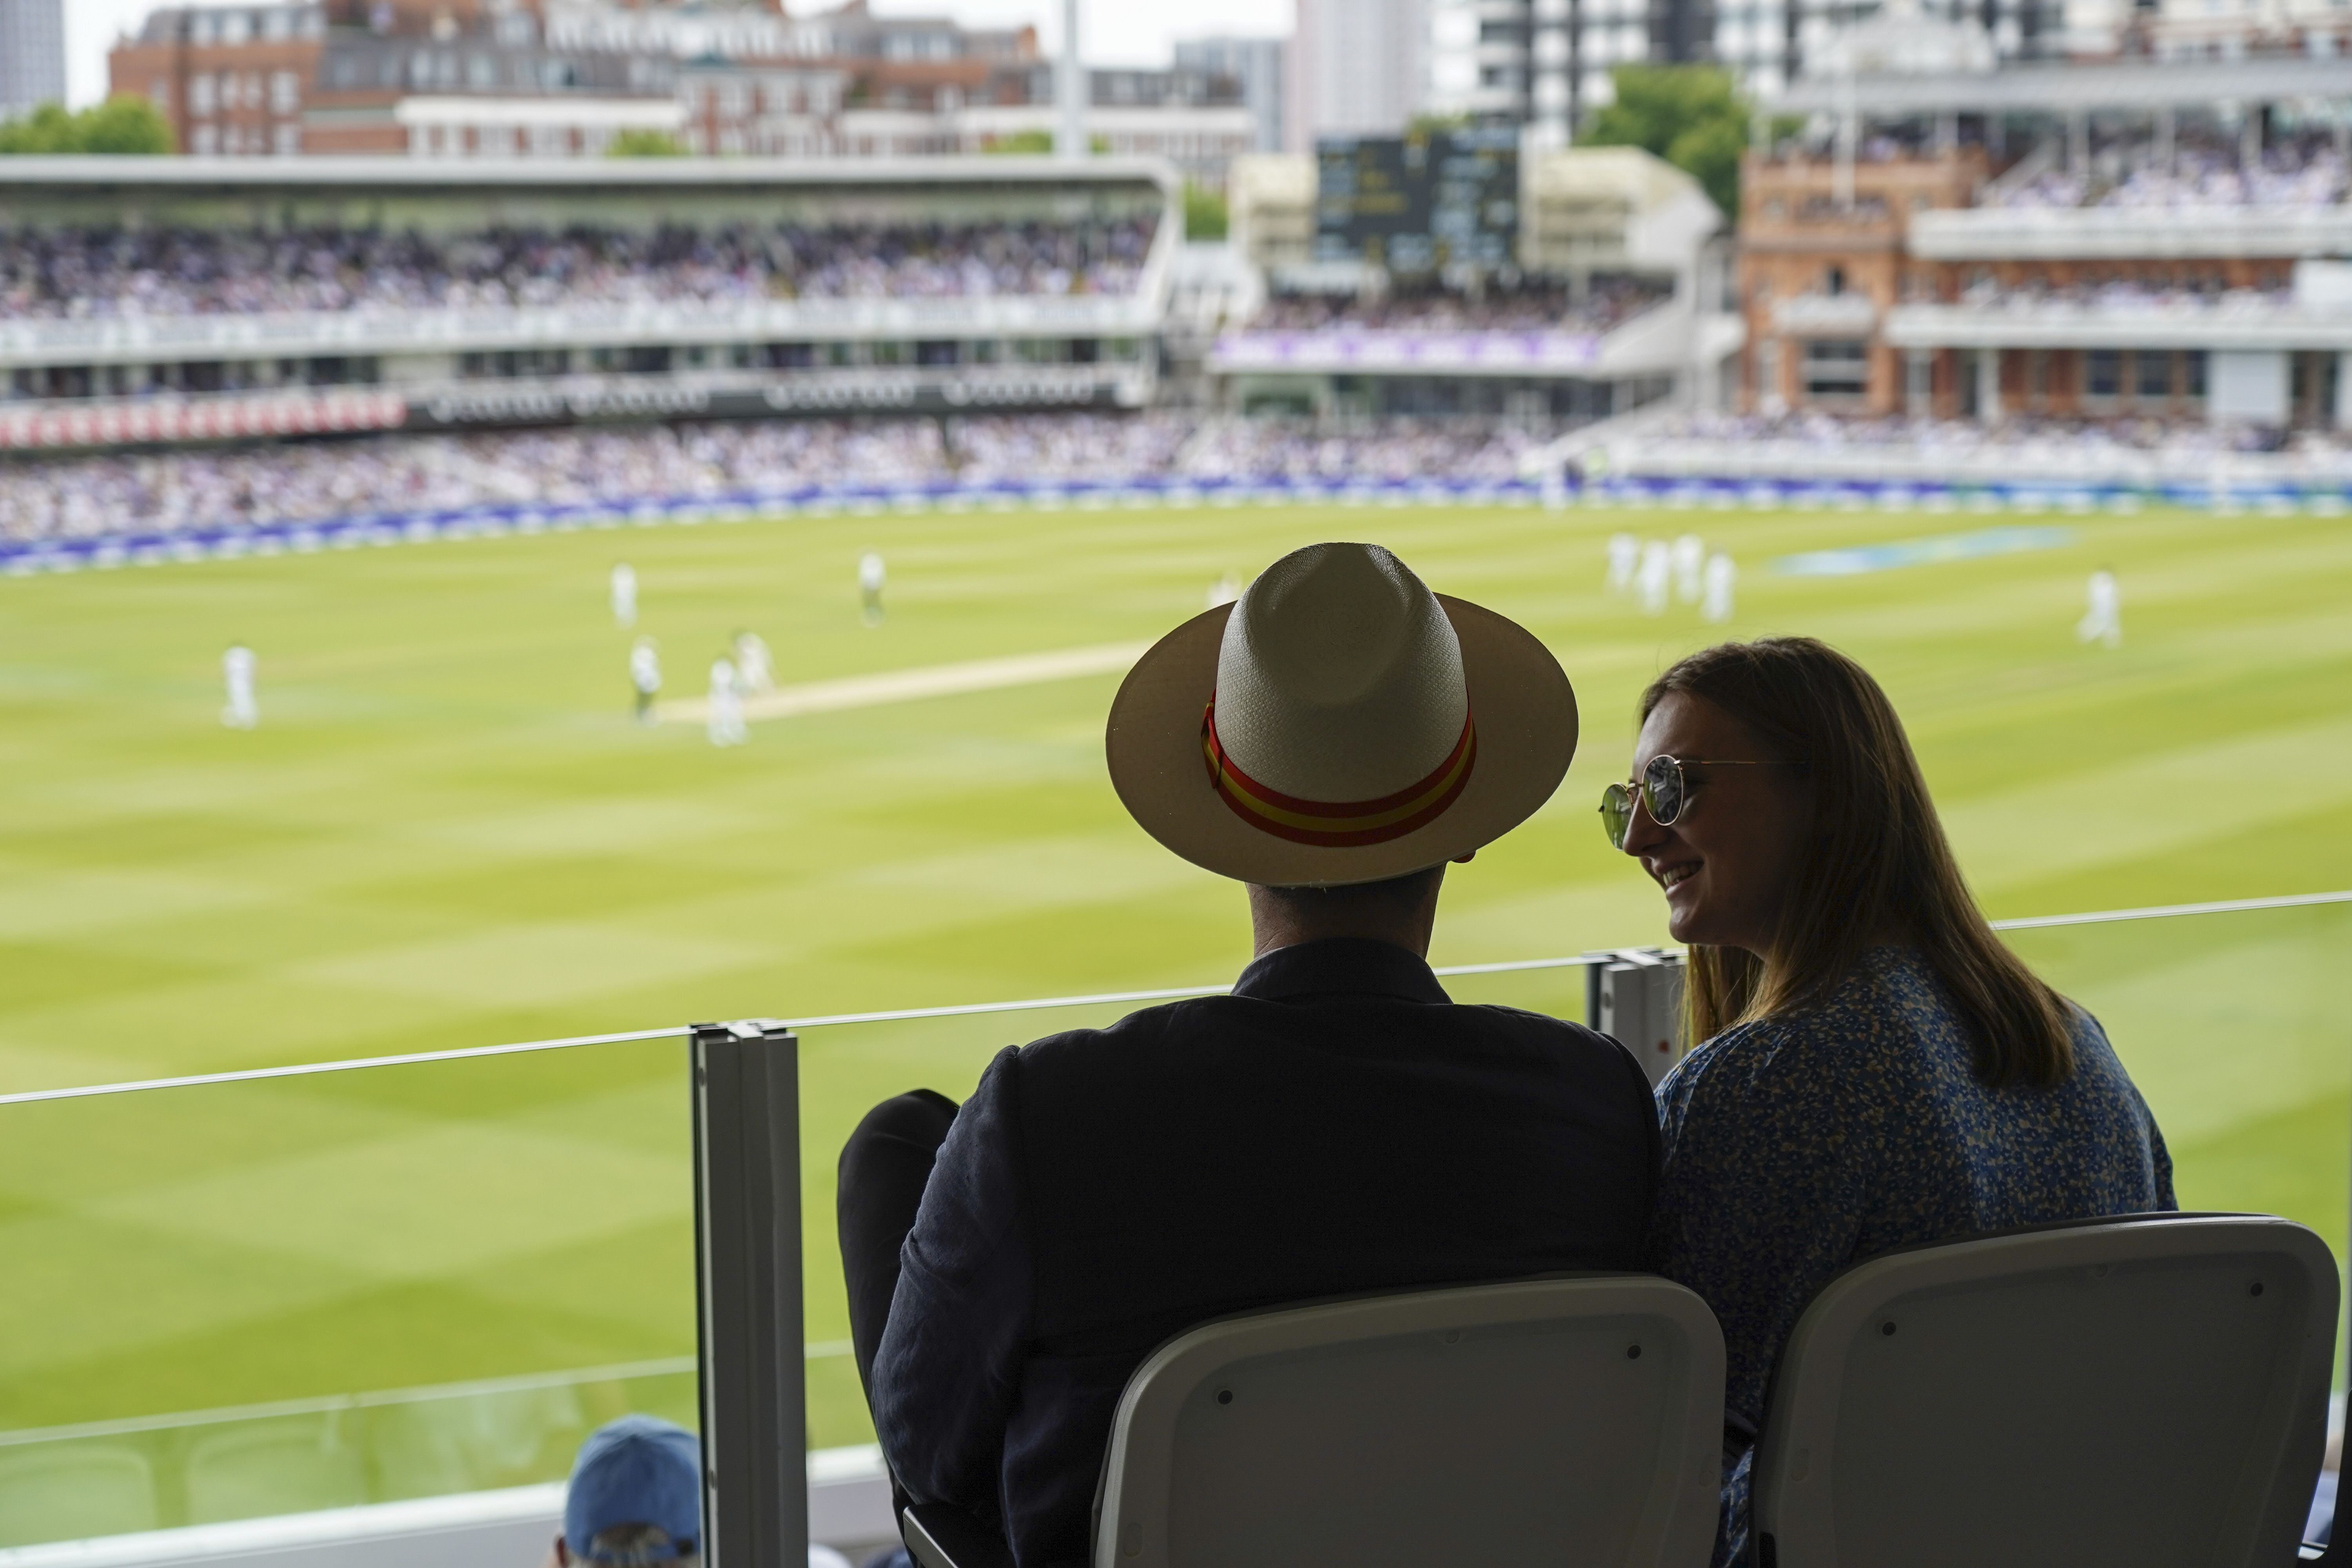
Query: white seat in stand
[1563, 1420]
[2148, 1390]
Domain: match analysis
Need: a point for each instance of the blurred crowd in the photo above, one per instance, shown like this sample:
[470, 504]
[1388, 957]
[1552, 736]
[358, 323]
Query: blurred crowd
[1607, 302]
[2123, 294]
[87, 496]
[2190, 435]
[171, 271]
[2301, 171]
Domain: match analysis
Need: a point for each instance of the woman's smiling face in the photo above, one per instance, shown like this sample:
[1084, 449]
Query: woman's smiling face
[1730, 858]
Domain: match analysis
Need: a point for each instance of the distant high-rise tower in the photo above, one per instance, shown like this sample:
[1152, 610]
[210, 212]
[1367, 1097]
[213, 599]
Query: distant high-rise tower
[1356, 68]
[32, 55]
[1258, 65]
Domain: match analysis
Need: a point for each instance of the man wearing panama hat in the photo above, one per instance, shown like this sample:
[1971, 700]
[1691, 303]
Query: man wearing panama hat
[1334, 1125]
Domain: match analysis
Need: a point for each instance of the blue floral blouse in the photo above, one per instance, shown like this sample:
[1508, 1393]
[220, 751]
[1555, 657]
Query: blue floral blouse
[1803, 1143]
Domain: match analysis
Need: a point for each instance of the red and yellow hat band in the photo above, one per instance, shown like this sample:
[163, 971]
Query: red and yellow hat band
[1338, 823]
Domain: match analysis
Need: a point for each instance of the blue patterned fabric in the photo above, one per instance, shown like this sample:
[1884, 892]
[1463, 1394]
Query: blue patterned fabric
[1803, 1143]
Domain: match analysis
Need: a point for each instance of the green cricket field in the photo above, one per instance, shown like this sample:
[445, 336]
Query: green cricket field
[448, 830]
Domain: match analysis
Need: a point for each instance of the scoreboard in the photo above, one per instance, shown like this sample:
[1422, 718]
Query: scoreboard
[1419, 202]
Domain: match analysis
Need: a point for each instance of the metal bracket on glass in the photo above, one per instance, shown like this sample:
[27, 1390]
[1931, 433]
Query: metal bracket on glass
[1635, 995]
[747, 1238]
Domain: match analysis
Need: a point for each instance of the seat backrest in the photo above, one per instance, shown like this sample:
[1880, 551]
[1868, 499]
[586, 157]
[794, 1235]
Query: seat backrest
[2150, 1390]
[1576, 1419]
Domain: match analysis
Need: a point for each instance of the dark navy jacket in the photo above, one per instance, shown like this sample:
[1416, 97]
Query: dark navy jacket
[1335, 1125]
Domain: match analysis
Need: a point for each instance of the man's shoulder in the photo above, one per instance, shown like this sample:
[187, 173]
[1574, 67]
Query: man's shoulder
[1152, 1035]
[1542, 1029]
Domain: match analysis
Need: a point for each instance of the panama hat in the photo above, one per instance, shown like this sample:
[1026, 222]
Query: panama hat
[1339, 723]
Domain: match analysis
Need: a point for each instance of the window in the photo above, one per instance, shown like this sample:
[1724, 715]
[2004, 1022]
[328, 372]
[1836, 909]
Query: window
[2152, 374]
[204, 141]
[159, 93]
[2103, 373]
[1833, 281]
[481, 72]
[290, 141]
[200, 97]
[285, 92]
[236, 27]
[2192, 365]
[1836, 368]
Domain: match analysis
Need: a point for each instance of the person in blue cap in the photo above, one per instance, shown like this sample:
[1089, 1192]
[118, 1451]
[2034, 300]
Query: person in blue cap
[635, 1499]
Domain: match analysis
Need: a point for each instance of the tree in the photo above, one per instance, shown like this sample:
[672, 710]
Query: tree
[639, 143]
[125, 123]
[1204, 213]
[1031, 141]
[1035, 142]
[1688, 115]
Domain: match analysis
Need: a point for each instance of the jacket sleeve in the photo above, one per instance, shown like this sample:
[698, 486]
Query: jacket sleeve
[948, 1369]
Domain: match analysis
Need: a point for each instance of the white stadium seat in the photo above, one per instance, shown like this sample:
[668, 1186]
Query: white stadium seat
[1577, 1418]
[2148, 1390]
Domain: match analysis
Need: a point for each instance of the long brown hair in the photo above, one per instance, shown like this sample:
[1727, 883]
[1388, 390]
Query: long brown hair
[1880, 863]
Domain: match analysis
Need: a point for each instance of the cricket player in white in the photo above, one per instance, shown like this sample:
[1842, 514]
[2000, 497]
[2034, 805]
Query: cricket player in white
[754, 671]
[1223, 591]
[1653, 577]
[1624, 553]
[644, 677]
[1690, 560]
[236, 673]
[2103, 620]
[869, 587]
[1715, 604]
[625, 596]
[725, 725]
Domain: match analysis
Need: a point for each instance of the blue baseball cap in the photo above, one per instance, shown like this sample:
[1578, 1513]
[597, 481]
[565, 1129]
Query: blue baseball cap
[639, 1469]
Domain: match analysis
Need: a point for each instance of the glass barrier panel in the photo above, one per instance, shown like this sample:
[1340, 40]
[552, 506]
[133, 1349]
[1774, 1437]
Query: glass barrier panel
[2235, 1028]
[268, 1297]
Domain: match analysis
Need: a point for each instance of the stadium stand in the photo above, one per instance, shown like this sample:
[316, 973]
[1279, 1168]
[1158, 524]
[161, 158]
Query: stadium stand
[1541, 307]
[2035, 460]
[175, 270]
[2305, 170]
[168, 491]
[177, 301]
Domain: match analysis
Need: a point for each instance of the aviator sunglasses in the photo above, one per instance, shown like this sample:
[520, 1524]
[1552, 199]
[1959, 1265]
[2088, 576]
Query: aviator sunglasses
[1663, 789]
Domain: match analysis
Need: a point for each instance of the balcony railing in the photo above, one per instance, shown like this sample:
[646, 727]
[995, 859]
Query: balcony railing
[2133, 233]
[1818, 315]
[171, 339]
[383, 1292]
[2179, 322]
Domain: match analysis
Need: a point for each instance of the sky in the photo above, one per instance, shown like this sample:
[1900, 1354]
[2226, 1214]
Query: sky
[1113, 32]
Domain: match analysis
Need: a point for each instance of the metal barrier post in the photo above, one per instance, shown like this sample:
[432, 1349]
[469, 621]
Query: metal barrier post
[1635, 995]
[746, 1212]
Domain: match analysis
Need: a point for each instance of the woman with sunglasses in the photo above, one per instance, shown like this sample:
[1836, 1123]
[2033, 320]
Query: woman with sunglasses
[1876, 1070]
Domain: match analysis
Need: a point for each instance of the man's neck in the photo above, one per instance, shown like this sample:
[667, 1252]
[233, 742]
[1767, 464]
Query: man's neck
[1275, 925]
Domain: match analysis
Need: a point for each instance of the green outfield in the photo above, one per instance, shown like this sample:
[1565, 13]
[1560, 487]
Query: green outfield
[448, 832]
